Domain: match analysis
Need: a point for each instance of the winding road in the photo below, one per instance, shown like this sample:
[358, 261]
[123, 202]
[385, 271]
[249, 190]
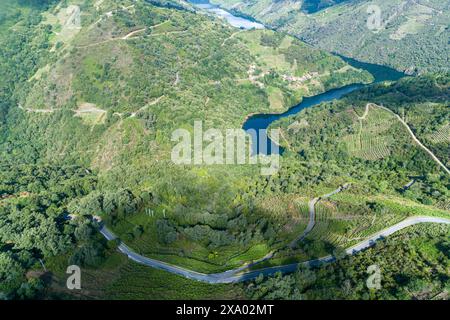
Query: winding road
[312, 214]
[242, 273]
[237, 275]
[417, 141]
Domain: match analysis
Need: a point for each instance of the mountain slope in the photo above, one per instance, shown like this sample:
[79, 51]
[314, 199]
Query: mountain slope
[124, 60]
[412, 36]
[361, 136]
[91, 93]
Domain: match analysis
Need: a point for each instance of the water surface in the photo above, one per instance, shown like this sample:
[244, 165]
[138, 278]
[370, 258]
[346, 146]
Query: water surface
[233, 20]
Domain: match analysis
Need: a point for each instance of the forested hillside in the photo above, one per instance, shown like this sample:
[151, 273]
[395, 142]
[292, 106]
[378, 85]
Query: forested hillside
[412, 35]
[413, 265]
[90, 94]
[360, 136]
[326, 146]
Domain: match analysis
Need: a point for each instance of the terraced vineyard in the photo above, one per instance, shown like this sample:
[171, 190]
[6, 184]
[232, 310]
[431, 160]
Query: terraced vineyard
[346, 219]
[120, 278]
[374, 138]
[442, 135]
[291, 212]
[332, 224]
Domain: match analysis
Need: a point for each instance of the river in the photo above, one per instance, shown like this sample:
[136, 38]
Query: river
[237, 22]
[260, 122]
[263, 121]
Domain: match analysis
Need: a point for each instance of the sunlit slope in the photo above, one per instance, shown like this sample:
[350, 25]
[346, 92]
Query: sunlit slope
[411, 35]
[104, 85]
[130, 68]
[361, 137]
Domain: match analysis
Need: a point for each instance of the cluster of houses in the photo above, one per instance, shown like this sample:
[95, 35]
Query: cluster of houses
[306, 77]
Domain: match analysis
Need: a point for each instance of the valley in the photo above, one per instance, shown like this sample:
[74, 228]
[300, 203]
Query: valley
[409, 36]
[86, 140]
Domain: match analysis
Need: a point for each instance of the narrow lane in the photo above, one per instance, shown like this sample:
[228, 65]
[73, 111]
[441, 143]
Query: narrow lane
[417, 141]
[312, 214]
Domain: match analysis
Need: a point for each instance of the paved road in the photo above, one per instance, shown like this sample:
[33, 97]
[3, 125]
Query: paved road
[312, 214]
[236, 275]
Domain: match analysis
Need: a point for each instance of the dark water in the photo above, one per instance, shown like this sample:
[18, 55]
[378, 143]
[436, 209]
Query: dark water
[379, 72]
[261, 122]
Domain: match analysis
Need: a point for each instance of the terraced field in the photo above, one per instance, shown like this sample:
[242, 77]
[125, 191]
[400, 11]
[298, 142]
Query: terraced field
[290, 210]
[343, 28]
[373, 138]
[347, 218]
[9, 12]
[334, 223]
[442, 135]
[120, 278]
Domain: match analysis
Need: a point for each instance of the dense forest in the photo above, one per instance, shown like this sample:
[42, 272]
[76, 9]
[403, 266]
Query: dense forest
[90, 93]
[35, 225]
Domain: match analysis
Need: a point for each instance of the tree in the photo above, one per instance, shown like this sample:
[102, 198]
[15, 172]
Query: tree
[11, 274]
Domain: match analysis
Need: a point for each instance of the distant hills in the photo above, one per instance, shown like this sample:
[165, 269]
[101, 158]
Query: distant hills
[411, 35]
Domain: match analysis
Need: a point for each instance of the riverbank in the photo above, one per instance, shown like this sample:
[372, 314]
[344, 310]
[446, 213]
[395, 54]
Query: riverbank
[238, 21]
[261, 122]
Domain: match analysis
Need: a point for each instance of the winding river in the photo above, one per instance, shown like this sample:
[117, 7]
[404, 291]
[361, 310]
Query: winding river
[244, 274]
[260, 122]
[263, 121]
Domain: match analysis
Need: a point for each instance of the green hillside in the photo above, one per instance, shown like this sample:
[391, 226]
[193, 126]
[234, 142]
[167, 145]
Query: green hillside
[361, 138]
[91, 93]
[87, 119]
[341, 26]
[326, 146]
[413, 265]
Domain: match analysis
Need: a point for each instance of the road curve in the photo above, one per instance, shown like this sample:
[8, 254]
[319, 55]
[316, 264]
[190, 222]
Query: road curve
[312, 214]
[236, 275]
[417, 141]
